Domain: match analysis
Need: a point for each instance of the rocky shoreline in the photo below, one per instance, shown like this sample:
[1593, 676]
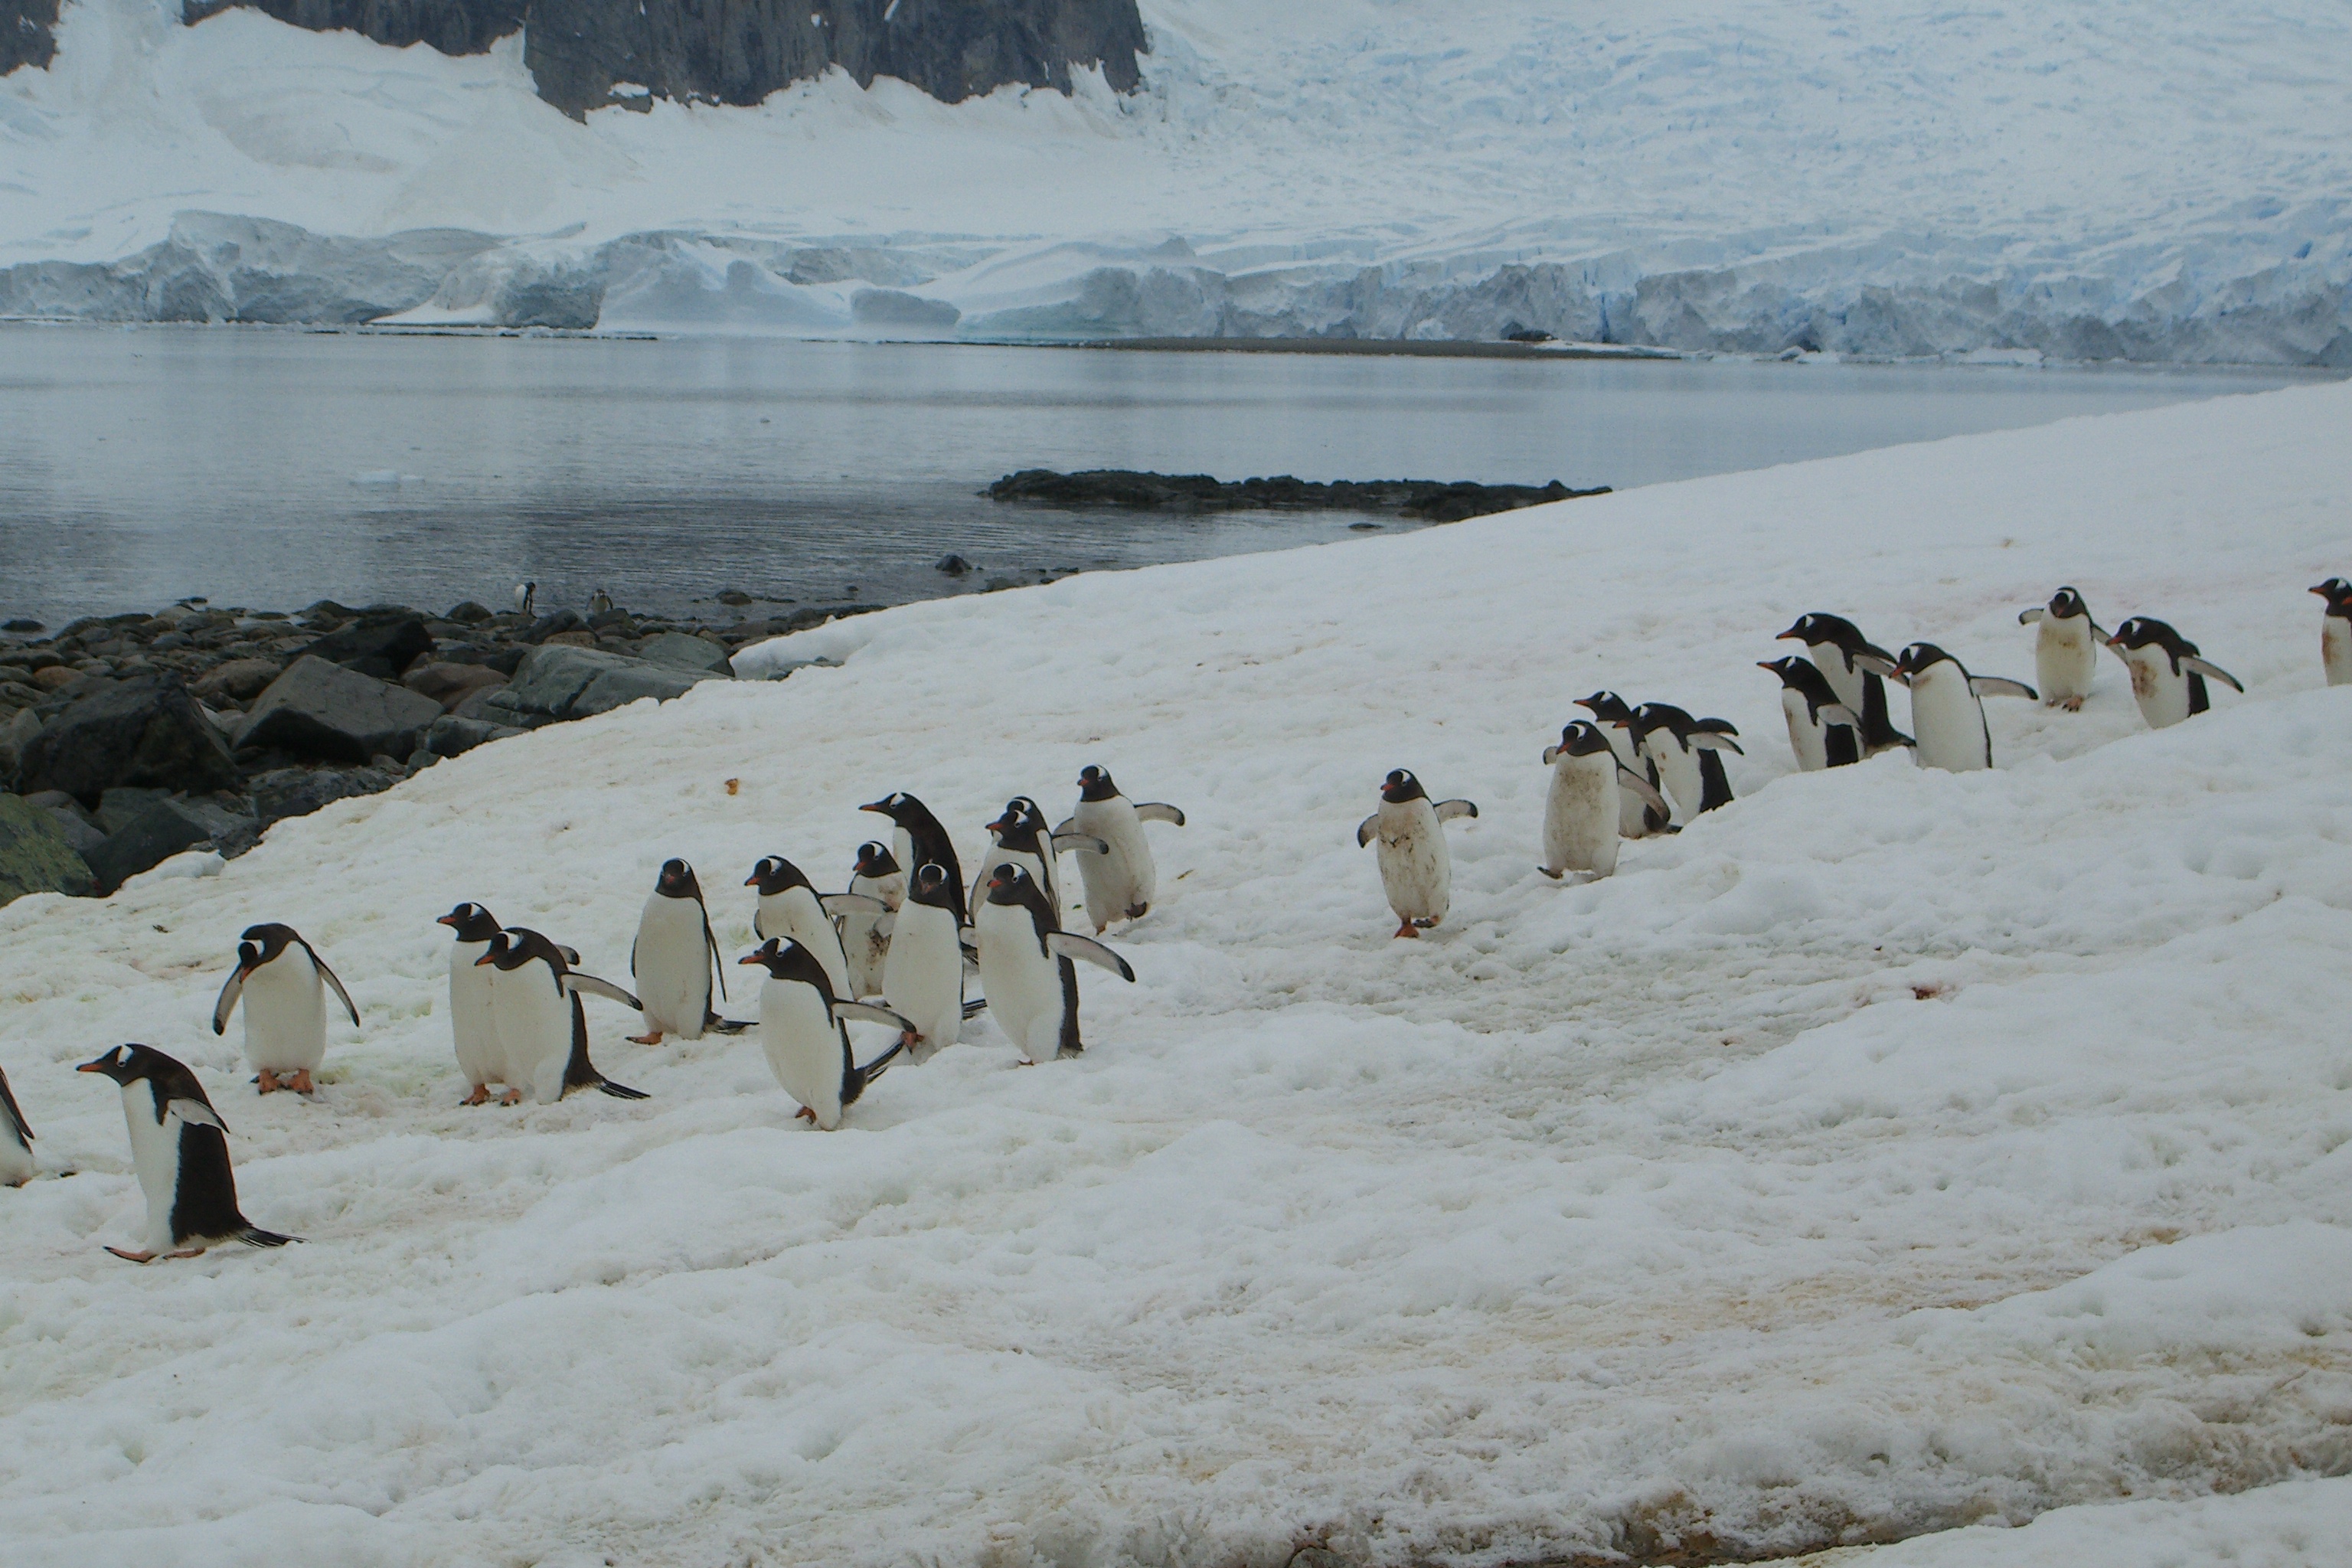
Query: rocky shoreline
[1418, 501]
[125, 740]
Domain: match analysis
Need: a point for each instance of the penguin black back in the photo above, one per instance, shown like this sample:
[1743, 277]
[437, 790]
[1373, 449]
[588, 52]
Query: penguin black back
[929, 841]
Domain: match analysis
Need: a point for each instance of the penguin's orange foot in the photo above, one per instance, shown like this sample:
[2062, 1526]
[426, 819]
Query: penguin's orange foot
[805, 1114]
[653, 1039]
[132, 1256]
[511, 1096]
[1407, 928]
[1429, 922]
[480, 1097]
[191, 1252]
[301, 1083]
[909, 1040]
[269, 1081]
[2072, 705]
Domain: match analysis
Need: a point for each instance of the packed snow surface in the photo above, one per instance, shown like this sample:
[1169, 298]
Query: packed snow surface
[2151, 179]
[1890, 1151]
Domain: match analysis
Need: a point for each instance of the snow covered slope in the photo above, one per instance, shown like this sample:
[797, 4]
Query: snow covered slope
[2155, 179]
[1890, 1151]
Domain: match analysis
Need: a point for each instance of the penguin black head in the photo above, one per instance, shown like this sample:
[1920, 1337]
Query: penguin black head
[1583, 738]
[1652, 715]
[518, 946]
[1816, 628]
[898, 805]
[2147, 631]
[774, 874]
[876, 860]
[1786, 668]
[1804, 677]
[130, 1063]
[1401, 786]
[261, 944]
[785, 959]
[2337, 593]
[931, 887]
[471, 923]
[677, 881]
[1012, 885]
[1094, 784]
[1918, 658]
[1607, 707]
[1023, 824]
[2066, 604]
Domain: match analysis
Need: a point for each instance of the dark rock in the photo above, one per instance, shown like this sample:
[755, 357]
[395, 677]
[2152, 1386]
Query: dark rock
[605, 620]
[321, 710]
[147, 732]
[35, 857]
[555, 625]
[469, 613]
[76, 829]
[27, 37]
[953, 566]
[1426, 500]
[242, 678]
[450, 684]
[1513, 333]
[381, 647]
[15, 735]
[298, 792]
[680, 651]
[160, 831]
[20, 624]
[578, 636]
[733, 596]
[561, 682]
[454, 737]
[117, 808]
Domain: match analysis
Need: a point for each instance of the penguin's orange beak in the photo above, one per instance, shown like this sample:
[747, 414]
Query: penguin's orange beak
[445, 921]
[2320, 590]
[747, 958]
[754, 879]
[91, 1067]
[996, 882]
[486, 958]
[999, 824]
[881, 806]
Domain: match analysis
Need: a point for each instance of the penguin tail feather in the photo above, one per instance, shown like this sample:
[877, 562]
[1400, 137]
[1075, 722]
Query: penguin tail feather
[254, 1236]
[620, 1091]
[881, 1064]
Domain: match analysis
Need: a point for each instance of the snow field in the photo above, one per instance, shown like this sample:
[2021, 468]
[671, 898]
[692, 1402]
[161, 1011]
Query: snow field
[1889, 1151]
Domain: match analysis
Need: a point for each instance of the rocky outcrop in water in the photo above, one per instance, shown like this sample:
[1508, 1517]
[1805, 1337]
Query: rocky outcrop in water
[740, 51]
[1421, 501]
[27, 33]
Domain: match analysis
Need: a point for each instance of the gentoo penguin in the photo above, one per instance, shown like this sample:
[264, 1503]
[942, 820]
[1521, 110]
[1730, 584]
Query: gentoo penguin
[1119, 877]
[179, 1146]
[286, 1016]
[922, 977]
[674, 957]
[599, 602]
[866, 938]
[542, 1029]
[919, 839]
[2336, 630]
[1823, 731]
[1026, 968]
[803, 1034]
[1416, 873]
[2167, 674]
[1945, 713]
[472, 1028]
[2065, 649]
[1840, 651]
[1020, 838]
[1688, 753]
[791, 906]
[1636, 818]
[1581, 814]
[527, 598]
[15, 1139]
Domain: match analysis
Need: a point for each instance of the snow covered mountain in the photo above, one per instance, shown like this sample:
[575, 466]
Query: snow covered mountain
[2152, 180]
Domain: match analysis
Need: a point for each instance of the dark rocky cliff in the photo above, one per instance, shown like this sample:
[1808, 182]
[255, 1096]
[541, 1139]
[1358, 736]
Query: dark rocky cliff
[740, 51]
[26, 35]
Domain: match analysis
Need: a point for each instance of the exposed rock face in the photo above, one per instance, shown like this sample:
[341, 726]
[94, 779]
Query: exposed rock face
[740, 51]
[146, 732]
[25, 33]
[321, 710]
[34, 855]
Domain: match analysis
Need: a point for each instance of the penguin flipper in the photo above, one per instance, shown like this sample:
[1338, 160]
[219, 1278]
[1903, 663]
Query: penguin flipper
[1069, 825]
[1366, 828]
[1069, 944]
[866, 1013]
[1628, 779]
[1874, 659]
[973, 1009]
[1159, 811]
[620, 1091]
[718, 1025]
[16, 1112]
[1994, 685]
[2028, 617]
[1830, 714]
[195, 1111]
[1713, 740]
[1070, 843]
[233, 988]
[2216, 672]
[571, 955]
[1551, 754]
[320, 965]
[578, 984]
[1447, 810]
[853, 904]
[254, 1236]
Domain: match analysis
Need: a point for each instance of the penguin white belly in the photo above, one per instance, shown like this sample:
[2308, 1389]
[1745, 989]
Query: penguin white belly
[155, 1156]
[1120, 885]
[286, 1014]
[1805, 737]
[1632, 819]
[865, 939]
[1847, 683]
[922, 978]
[2162, 696]
[1678, 770]
[472, 1028]
[673, 967]
[1948, 722]
[796, 912]
[534, 1030]
[2065, 659]
[803, 1045]
[2336, 649]
[1416, 872]
[1023, 982]
[1580, 815]
[17, 1165]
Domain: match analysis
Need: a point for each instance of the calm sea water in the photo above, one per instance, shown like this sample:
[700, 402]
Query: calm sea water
[270, 469]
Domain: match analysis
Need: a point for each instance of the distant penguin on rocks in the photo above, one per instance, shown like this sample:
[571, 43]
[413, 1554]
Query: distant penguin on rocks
[17, 1165]
[866, 938]
[1856, 669]
[1823, 731]
[673, 958]
[1689, 754]
[791, 906]
[1946, 715]
[1416, 871]
[2066, 644]
[1581, 817]
[922, 977]
[2168, 674]
[2336, 630]
[919, 840]
[286, 1011]
[802, 1033]
[599, 603]
[526, 598]
[472, 1030]
[1637, 818]
[179, 1147]
[542, 1031]
[1119, 879]
[1021, 838]
[1027, 968]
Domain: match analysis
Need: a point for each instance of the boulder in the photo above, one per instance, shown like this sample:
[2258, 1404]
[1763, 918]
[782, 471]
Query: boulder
[467, 613]
[166, 828]
[546, 626]
[14, 736]
[56, 677]
[299, 792]
[683, 650]
[118, 807]
[242, 678]
[74, 827]
[619, 688]
[381, 647]
[320, 710]
[454, 737]
[35, 857]
[563, 682]
[450, 684]
[147, 732]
